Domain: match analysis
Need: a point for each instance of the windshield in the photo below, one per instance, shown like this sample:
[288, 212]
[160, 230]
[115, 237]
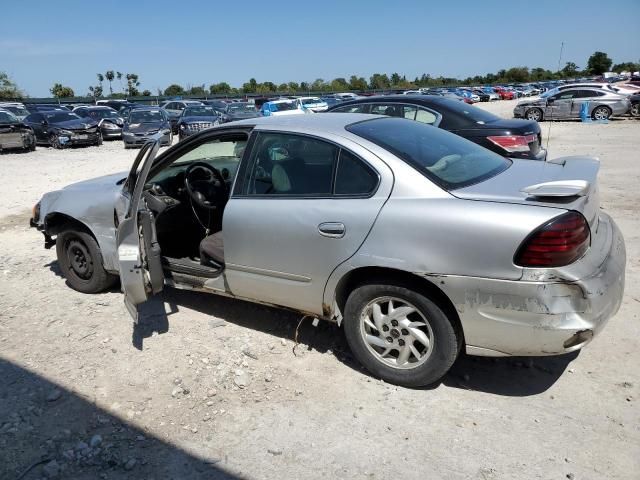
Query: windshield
[241, 108]
[17, 110]
[310, 101]
[7, 117]
[103, 113]
[447, 159]
[199, 112]
[146, 116]
[548, 93]
[61, 117]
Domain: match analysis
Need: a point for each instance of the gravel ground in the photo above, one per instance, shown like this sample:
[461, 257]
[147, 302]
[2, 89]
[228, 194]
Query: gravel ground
[210, 387]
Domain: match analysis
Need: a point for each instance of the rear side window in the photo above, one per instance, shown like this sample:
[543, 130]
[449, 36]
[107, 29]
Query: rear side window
[425, 116]
[360, 108]
[353, 176]
[446, 159]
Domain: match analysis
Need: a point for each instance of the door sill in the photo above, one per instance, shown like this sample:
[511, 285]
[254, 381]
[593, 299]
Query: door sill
[186, 266]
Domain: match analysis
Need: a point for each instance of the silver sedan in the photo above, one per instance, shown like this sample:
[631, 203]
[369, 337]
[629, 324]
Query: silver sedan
[418, 242]
[568, 104]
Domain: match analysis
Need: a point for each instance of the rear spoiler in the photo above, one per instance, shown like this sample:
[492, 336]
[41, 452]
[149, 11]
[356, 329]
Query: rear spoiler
[575, 180]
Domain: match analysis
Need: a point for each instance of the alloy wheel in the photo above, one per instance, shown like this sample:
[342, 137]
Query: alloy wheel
[534, 114]
[396, 332]
[601, 113]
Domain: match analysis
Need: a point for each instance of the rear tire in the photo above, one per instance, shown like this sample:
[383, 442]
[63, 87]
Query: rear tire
[533, 114]
[81, 262]
[601, 113]
[400, 335]
[635, 110]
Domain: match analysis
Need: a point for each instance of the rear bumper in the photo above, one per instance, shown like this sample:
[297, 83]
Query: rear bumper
[16, 140]
[504, 317]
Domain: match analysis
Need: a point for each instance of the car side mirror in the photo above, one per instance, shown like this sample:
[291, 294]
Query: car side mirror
[550, 100]
[44, 122]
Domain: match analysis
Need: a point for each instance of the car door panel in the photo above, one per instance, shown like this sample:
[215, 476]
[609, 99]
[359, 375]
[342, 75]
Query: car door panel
[283, 250]
[138, 251]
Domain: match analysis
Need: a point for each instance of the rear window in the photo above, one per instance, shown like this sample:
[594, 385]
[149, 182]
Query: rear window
[446, 159]
[469, 113]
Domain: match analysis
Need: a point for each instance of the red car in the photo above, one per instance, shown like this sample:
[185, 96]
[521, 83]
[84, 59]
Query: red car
[504, 94]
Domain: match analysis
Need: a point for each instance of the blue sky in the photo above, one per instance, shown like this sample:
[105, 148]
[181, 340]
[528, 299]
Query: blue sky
[190, 43]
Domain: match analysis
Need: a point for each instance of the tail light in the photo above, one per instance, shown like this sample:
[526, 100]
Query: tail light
[560, 242]
[513, 143]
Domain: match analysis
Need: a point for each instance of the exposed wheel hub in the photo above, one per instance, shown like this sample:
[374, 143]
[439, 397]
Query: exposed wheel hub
[79, 259]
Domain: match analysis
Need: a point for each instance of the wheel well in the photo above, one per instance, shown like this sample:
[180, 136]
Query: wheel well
[56, 222]
[360, 276]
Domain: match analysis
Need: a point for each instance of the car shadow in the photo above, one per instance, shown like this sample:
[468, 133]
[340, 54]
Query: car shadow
[49, 431]
[54, 267]
[507, 376]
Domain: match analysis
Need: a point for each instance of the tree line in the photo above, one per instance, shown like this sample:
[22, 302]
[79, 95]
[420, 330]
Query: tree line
[122, 85]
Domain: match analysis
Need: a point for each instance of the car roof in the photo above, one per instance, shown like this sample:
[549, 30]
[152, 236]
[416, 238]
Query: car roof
[334, 123]
[419, 99]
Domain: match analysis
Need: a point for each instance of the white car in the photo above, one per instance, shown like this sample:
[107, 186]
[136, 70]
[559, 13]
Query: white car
[277, 108]
[345, 96]
[312, 103]
[16, 108]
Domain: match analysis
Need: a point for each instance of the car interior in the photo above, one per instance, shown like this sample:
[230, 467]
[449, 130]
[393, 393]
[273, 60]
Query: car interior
[187, 198]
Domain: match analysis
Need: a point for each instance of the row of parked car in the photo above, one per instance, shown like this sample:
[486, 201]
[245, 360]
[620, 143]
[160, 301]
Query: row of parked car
[24, 126]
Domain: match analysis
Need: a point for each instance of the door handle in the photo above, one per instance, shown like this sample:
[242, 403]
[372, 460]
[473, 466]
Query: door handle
[332, 229]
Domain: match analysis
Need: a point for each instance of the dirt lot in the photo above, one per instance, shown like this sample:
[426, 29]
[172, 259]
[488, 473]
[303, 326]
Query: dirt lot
[214, 389]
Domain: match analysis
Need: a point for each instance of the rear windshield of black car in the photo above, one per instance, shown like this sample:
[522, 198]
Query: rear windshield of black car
[446, 159]
[61, 117]
[471, 114]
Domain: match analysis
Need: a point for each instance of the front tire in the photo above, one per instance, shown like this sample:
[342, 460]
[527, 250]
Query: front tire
[54, 142]
[81, 262]
[533, 114]
[601, 113]
[400, 335]
[635, 110]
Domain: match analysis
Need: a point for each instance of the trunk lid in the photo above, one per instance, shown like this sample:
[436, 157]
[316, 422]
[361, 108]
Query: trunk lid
[567, 182]
[505, 127]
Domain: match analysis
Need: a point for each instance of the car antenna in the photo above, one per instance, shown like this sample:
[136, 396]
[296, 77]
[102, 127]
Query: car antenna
[551, 116]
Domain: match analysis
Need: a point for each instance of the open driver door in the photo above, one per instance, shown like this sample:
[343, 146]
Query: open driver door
[139, 258]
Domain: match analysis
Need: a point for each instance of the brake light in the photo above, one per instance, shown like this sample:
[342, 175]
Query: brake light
[560, 242]
[513, 143]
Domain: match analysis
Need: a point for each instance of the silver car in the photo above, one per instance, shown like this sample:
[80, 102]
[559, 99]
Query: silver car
[418, 242]
[566, 104]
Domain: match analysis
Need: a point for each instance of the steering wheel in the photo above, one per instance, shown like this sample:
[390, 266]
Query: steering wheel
[206, 186]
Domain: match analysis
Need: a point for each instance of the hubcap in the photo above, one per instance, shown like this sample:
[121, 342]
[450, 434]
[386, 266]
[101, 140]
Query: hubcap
[534, 115]
[79, 259]
[396, 332]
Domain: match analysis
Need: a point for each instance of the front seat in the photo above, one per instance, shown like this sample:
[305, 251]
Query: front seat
[212, 251]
